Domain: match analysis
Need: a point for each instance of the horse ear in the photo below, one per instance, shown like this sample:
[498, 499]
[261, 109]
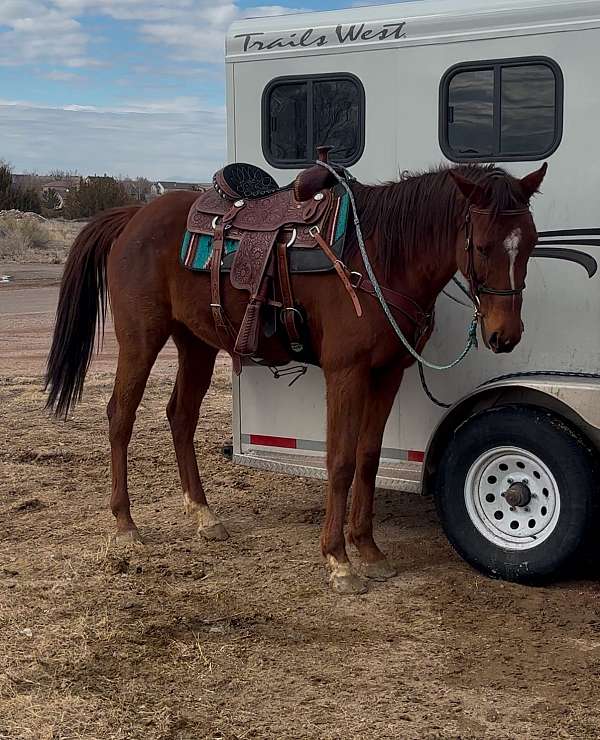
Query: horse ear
[531, 183]
[472, 192]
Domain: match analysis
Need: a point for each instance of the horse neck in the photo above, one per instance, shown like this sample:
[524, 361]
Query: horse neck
[423, 277]
[424, 270]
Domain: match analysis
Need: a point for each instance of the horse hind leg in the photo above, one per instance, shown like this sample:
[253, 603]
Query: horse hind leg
[136, 359]
[196, 365]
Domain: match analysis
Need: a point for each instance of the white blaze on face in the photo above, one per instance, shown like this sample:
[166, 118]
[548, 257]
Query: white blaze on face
[512, 244]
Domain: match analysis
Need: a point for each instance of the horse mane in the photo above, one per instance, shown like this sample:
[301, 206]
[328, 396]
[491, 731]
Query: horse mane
[423, 211]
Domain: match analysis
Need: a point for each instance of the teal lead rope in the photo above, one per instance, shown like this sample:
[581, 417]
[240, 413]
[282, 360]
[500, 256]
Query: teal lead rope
[472, 333]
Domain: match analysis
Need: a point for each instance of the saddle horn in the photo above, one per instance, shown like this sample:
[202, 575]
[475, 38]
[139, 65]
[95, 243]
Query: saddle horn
[315, 178]
[323, 153]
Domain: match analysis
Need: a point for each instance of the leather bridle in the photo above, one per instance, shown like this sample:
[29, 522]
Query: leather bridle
[423, 320]
[477, 287]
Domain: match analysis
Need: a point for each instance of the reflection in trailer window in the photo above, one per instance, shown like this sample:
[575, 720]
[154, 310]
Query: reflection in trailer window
[501, 110]
[301, 113]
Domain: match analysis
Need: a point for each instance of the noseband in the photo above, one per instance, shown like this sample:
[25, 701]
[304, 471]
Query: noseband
[475, 286]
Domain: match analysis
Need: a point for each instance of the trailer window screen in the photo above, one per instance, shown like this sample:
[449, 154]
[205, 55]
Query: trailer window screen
[501, 110]
[302, 113]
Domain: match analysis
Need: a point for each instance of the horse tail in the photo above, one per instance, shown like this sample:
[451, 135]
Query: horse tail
[82, 306]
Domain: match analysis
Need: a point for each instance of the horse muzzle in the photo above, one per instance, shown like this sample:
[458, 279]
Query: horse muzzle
[503, 339]
[501, 345]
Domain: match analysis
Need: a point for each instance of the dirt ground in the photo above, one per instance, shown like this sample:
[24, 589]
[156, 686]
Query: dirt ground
[242, 639]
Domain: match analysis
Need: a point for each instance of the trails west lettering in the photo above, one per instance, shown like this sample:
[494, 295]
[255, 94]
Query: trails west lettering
[360, 33]
[293, 40]
[311, 38]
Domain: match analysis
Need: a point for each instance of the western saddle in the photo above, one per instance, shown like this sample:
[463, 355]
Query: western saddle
[266, 226]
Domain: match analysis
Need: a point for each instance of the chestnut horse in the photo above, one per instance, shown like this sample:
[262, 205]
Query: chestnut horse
[418, 233]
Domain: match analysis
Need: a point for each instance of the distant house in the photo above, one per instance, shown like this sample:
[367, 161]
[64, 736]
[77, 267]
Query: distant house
[167, 186]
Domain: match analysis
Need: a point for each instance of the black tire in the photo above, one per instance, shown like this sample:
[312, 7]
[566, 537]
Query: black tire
[565, 454]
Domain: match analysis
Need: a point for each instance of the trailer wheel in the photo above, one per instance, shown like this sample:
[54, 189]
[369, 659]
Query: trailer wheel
[515, 492]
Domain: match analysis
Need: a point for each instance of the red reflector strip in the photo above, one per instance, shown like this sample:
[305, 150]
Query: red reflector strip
[266, 441]
[414, 456]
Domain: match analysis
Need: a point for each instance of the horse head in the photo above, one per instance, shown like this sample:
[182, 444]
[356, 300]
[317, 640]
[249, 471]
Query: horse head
[494, 248]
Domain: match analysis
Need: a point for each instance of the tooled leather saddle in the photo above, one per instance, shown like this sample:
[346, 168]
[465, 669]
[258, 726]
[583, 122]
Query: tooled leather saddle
[259, 234]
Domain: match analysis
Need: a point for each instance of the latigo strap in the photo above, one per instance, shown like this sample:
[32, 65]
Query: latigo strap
[341, 269]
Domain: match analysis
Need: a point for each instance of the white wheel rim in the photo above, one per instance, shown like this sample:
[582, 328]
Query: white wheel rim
[519, 527]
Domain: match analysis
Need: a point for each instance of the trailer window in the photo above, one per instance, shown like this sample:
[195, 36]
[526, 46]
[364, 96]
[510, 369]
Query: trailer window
[301, 113]
[501, 110]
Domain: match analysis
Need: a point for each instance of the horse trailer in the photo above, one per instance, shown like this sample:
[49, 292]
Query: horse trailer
[512, 460]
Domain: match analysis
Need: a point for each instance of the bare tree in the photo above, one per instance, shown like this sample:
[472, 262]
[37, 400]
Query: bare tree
[58, 174]
[139, 188]
[51, 200]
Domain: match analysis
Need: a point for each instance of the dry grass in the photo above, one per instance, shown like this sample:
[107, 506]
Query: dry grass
[228, 641]
[19, 236]
[29, 238]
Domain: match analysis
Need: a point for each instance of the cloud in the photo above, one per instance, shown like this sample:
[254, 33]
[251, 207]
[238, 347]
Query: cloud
[364, 3]
[32, 32]
[207, 27]
[182, 139]
[129, 9]
[14, 10]
[54, 30]
[62, 76]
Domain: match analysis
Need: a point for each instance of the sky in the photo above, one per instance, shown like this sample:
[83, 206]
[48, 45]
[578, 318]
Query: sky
[124, 87]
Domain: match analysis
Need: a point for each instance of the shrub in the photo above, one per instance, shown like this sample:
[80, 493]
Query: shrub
[93, 195]
[5, 184]
[27, 200]
[20, 235]
[14, 197]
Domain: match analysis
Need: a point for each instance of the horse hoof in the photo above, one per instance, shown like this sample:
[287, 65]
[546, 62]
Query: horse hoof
[128, 537]
[343, 579]
[380, 570]
[348, 584]
[214, 533]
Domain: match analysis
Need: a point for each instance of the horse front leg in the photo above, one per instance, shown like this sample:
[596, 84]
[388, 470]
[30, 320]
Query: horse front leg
[345, 404]
[382, 389]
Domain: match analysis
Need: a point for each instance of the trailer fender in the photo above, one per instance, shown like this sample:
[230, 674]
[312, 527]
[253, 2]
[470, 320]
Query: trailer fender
[576, 400]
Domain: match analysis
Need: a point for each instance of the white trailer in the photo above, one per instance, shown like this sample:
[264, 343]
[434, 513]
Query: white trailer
[405, 87]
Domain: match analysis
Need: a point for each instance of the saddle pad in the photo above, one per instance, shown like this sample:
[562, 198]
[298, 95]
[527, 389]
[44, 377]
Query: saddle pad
[196, 251]
[196, 248]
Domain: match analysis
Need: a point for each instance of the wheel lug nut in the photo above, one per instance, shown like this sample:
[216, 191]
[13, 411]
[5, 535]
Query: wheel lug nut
[509, 481]
[527, 508]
